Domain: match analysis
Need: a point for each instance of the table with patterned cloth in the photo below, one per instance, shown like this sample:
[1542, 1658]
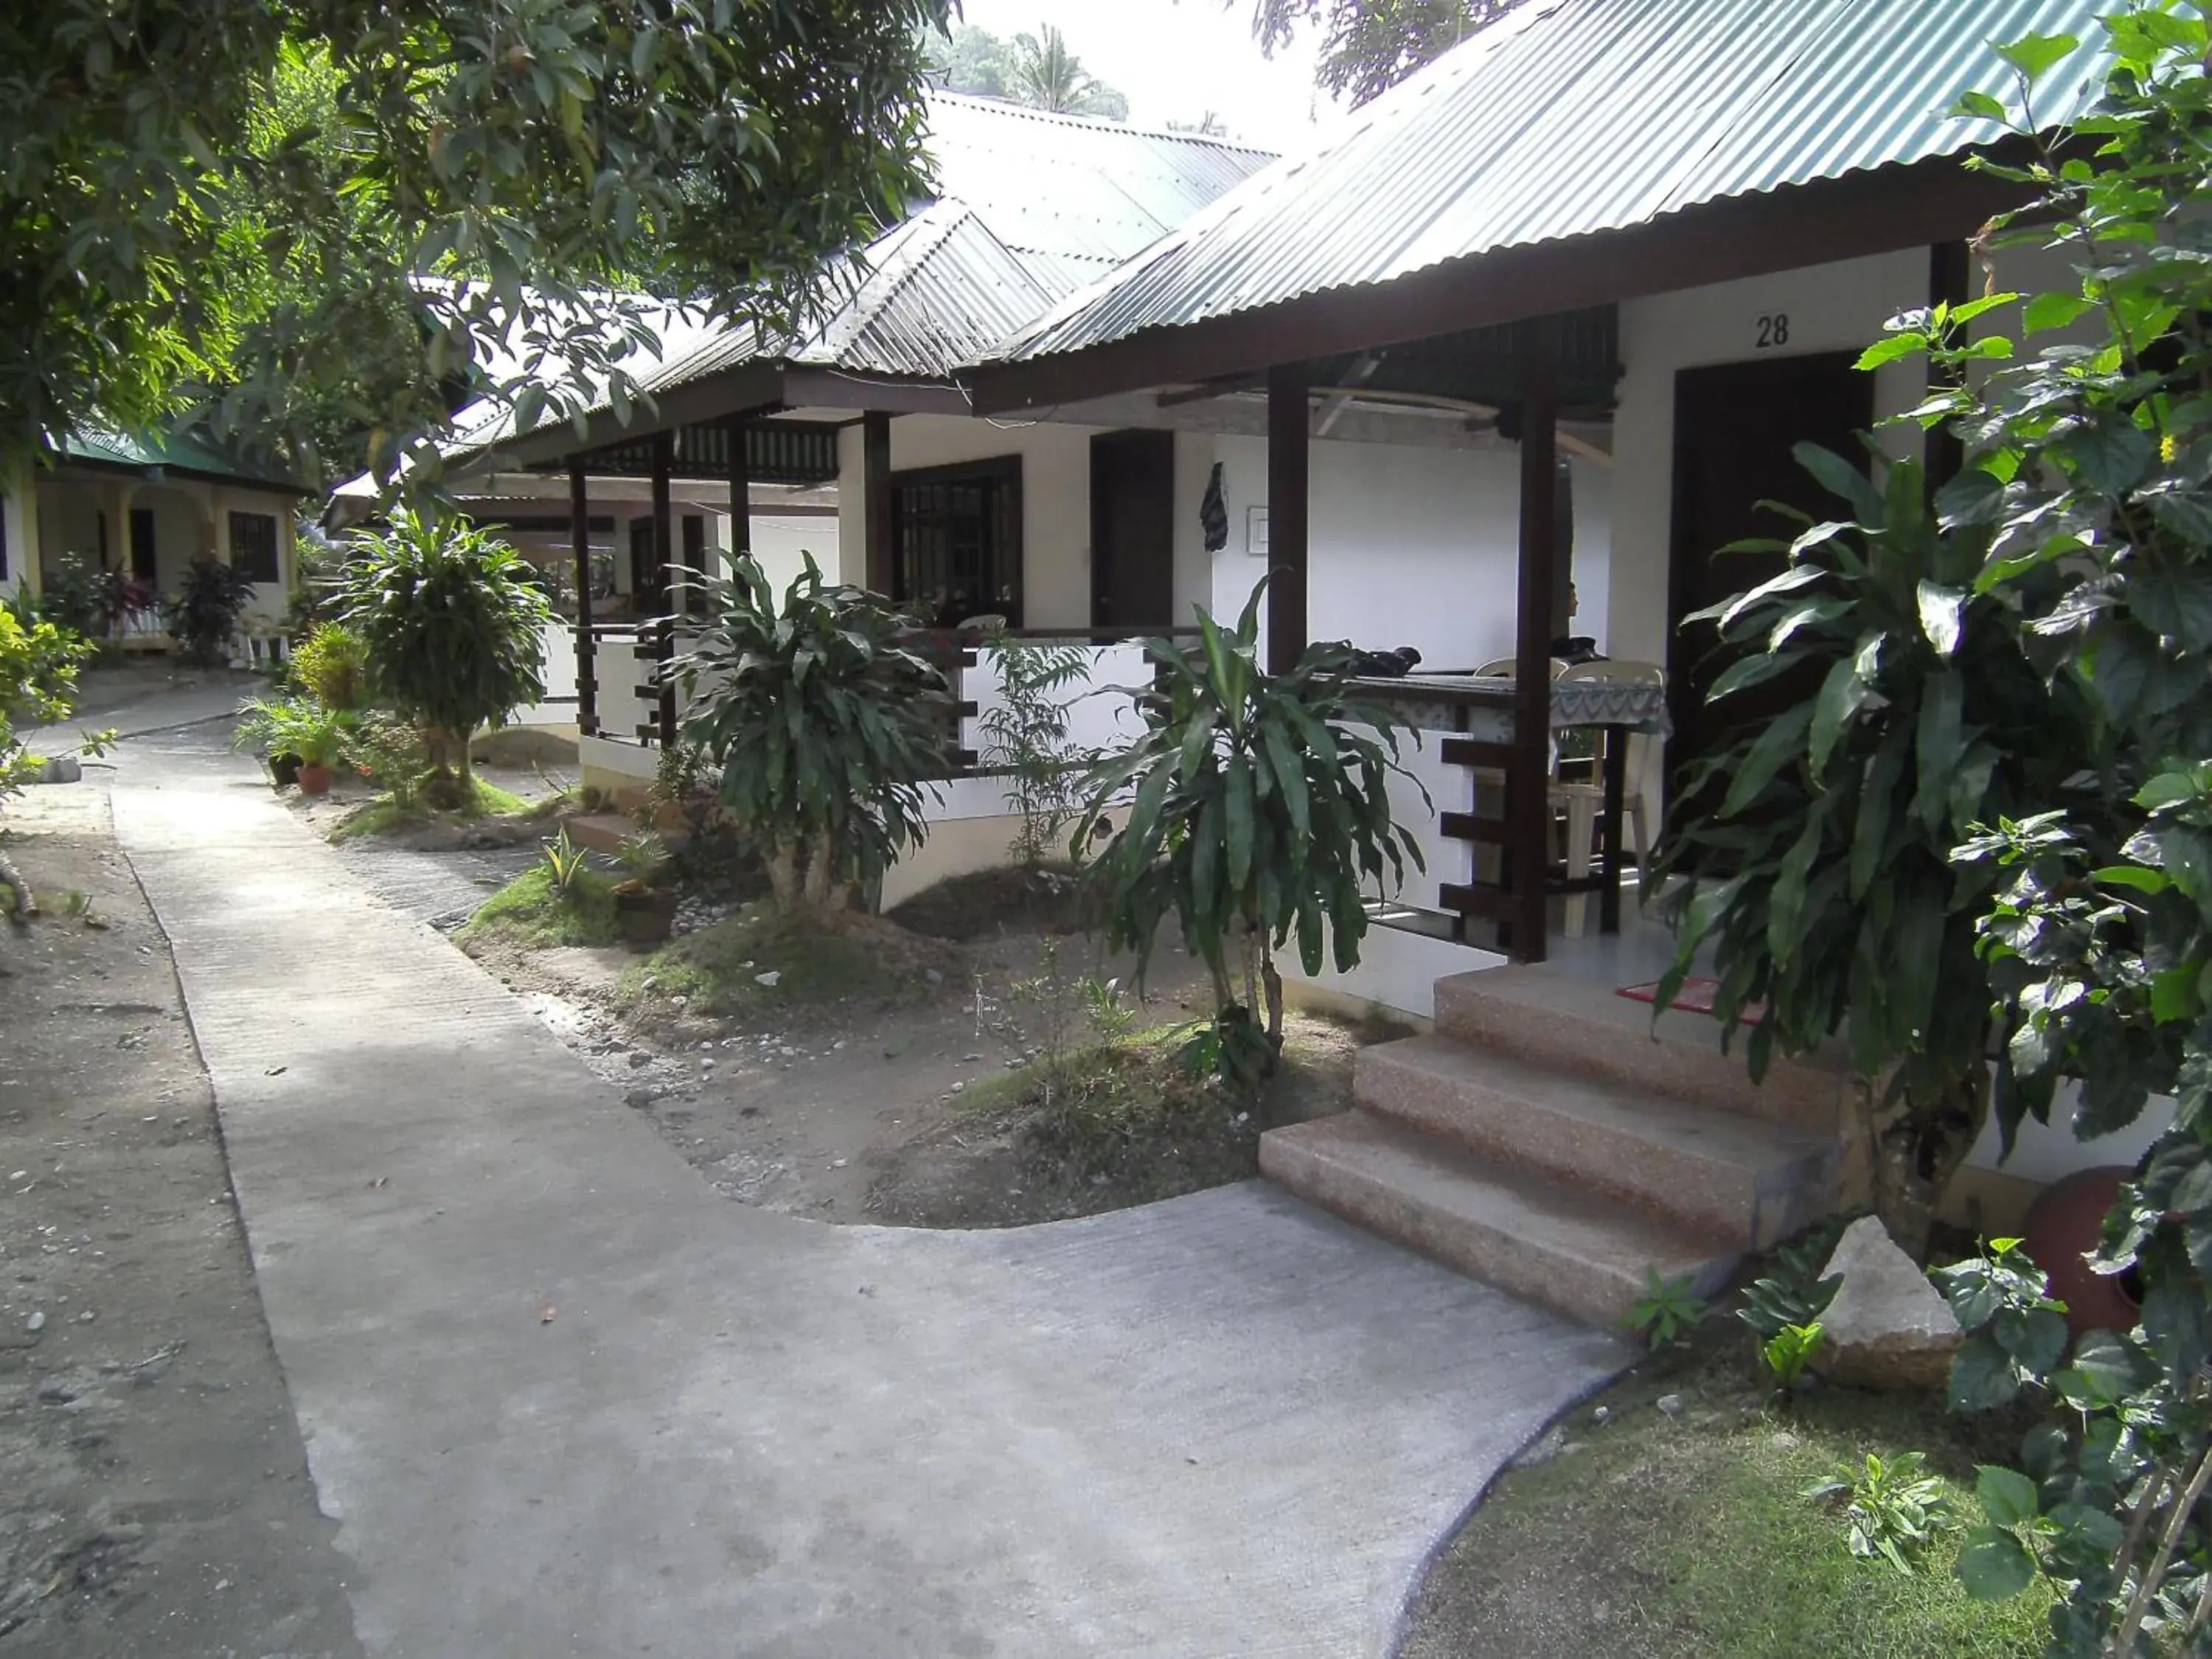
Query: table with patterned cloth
[1481, 706]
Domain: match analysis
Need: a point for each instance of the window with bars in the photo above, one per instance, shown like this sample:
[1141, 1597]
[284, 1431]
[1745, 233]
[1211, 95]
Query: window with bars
[253, 546]
[958, 531]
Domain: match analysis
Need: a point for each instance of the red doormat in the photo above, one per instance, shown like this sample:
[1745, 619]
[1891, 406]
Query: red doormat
[1695, 997]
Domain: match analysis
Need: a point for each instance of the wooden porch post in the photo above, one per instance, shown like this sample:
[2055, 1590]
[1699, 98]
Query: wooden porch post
[1290, 426]
[1528, 785]
[876, 501]
[580, 542]
[741, 492]
[664, 557]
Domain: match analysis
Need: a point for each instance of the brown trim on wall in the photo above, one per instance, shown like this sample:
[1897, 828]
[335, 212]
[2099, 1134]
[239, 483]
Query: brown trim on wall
[1865, 213]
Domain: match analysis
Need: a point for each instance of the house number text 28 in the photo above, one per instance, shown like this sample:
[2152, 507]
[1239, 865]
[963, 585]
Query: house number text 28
[1773, 329]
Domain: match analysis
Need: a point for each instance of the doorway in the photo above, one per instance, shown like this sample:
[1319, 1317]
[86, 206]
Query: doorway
[145, 560]
[1133, 530]
[1734, 427]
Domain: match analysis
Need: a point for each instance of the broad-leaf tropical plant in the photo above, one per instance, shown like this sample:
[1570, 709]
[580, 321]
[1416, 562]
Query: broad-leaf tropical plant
[2091, 476]
[453, 623]
[1257, 813]
[1817, 869]
[39, 664]
[826, 725]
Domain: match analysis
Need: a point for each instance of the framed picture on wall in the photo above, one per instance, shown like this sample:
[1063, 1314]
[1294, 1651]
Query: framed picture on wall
[1256, 532]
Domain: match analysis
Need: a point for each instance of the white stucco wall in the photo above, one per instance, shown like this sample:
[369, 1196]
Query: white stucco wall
[19, 522]
[1408, 546]
[779, 545]
[190, 517]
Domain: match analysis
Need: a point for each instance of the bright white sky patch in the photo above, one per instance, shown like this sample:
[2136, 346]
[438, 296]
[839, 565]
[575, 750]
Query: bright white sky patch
[1178, 58]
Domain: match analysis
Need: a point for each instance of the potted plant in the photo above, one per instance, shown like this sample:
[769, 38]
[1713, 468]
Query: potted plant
[298, 737]
[645, 913]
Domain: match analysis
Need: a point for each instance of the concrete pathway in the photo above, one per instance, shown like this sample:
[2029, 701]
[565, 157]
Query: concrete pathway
[565, 1400]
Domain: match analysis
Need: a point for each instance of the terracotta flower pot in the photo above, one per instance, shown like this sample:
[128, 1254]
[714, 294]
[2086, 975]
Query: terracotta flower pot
[314, 780]
[2062, 1227]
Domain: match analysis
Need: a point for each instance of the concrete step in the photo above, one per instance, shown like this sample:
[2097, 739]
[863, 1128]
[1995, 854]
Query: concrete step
[1580, 1027]
[1583, 1255]
[1742, 1181]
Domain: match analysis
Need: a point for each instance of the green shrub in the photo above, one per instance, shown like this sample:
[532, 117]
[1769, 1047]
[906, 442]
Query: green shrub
[203, 617]
[330, 664]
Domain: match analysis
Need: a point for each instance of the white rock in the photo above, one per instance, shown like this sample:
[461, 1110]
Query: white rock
[771, 979]
[37, 1321]
[1888, 1327]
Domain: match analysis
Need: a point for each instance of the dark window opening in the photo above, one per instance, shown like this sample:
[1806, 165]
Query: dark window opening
[253, 546]
[145, 567]
[957, 533]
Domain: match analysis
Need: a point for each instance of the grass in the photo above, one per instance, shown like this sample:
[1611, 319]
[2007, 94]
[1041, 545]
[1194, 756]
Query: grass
[1689, 1535]
[717, 970]
[385, 816]
[527, 912]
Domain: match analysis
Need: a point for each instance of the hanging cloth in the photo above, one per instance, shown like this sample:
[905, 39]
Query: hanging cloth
[1213, 513]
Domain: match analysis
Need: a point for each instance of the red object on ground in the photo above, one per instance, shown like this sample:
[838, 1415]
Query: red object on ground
[1696, 997]
[314, 780]
[2061, 1228]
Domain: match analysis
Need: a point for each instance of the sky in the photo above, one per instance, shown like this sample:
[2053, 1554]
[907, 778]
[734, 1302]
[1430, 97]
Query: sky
[1178, 58]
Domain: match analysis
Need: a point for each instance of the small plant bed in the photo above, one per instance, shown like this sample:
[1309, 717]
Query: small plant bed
[1670, 1517]
[530, 914]
[1112, 1124]
[388, 815]
[760, 961]
[1044, 900]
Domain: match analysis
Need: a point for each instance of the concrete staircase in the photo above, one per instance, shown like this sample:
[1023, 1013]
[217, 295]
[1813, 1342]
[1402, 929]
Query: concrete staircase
[1542, 1139]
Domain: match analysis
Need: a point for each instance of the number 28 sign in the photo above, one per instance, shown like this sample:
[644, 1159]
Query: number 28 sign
[1773, 329]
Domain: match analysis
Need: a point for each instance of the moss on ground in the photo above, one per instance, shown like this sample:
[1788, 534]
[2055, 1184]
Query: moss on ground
[1676, 1536]
[528, 915]
[814, 962]
[386, 816]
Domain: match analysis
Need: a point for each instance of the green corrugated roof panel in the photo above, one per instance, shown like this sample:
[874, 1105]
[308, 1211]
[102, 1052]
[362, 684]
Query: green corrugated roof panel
[172, 453]
[1575, 117]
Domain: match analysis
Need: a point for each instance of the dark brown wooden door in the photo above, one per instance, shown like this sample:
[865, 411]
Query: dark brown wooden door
[1133, 530]
[1735, 425]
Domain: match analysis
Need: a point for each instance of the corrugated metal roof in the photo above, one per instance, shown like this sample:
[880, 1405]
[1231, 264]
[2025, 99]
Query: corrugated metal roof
[1582, 116]
[1030, 206]
[172, 453]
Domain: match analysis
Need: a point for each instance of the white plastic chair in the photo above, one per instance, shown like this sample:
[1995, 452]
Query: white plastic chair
[1582, 802]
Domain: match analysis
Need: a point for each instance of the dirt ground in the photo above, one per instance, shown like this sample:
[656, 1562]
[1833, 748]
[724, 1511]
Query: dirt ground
[154, 1497]
[861, 1110]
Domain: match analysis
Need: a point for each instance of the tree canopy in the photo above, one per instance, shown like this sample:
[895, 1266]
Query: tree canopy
[1368, 46]
[318, 216]
[1038, 71]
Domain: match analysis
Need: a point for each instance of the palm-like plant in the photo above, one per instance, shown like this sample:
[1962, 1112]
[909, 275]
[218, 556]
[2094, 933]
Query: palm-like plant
[453, 622]
[1047, 75]
[1260, 812]
[824, 726]
[1822, 880]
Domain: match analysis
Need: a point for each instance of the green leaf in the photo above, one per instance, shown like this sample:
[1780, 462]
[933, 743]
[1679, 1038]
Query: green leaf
[1890, 349]
[2053, 310]
[2007, 1497]
[2110, 452]
[1842, 694]
[1840, 477]
[1982, 1375]
[2036, 55]
[1775, 747]
[2141, 879]
[1980, 104]
[1994, 1567]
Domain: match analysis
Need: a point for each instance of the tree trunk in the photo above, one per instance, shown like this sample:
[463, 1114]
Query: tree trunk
[1273, 983]
[26, 902]
[818, 866]
[783, 875]
[1916, 1154]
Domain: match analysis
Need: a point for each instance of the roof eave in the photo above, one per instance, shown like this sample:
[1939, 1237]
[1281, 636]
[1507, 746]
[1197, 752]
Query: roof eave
[1875, 211]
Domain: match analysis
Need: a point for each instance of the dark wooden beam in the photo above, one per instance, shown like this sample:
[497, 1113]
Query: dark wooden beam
[1878, 211]
[1211, 391]
[579, 543]
[875, 499]
[741, 492]
[1528, 779]
[1290, 512]
[830, 388]
[664, 583]
[748, 386]
[1949, 272]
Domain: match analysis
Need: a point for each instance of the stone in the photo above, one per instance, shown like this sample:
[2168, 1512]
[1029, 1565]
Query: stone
[1888, 1327]
[771, 979]
[61, 768]
[1670, 1405]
